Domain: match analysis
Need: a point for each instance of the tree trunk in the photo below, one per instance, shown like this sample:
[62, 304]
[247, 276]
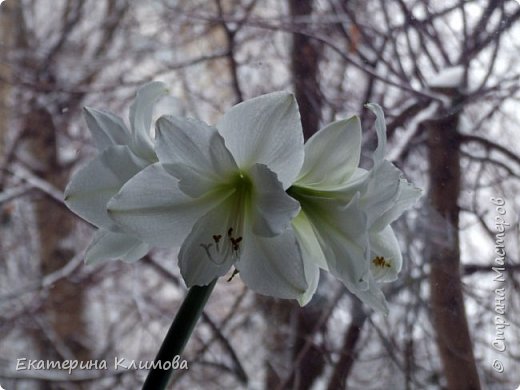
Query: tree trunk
[449, 316]
[62, 329]
[6, 27]
[64, 305]
[6, 41]
[61, 332]
[305, 61]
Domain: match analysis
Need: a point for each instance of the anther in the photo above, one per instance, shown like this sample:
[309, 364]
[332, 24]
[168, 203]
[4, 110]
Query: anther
[235, 272]
[380, 261]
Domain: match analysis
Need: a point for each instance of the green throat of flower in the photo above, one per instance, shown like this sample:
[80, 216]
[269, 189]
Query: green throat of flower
[311, 200]
[306, 194]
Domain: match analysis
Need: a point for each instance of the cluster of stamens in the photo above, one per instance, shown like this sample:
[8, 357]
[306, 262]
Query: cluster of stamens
[222, 249]
[380, 261]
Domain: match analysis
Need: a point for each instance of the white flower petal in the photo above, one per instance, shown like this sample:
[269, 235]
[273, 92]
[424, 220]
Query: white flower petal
[193, 183]
[168, 105]
[332, 155]
[347, 260]
[141, 112]
[373, 296]
[207, 252]
[407, 196]
[107, 245]
[379, 153]
[308, 241]
[106, 129]
[313, 258]
[152, 207]
[386, 259]
[273, 208]
[93, 185]
[266, 130]
[357, 183]
[312, 276]
[343, 236]
[193, 152]
[273, 266]
[381, 192]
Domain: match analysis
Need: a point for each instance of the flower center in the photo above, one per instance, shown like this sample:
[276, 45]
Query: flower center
[223, 245]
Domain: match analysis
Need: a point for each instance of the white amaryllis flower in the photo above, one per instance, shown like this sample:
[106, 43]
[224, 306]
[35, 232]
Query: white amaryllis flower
[123, 153]
[346, 211]
[219, 192]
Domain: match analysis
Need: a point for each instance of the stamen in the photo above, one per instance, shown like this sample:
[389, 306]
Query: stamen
[216, 238]
[380, 261]
[235, 272]
[218, 254]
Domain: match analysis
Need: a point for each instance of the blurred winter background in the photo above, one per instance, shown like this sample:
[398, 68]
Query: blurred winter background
[447, 75]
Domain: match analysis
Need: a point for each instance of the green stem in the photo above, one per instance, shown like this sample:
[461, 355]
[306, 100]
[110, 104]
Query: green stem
[178, 335]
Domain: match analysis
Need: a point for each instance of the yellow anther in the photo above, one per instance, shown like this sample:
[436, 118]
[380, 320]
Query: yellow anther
[380, 261]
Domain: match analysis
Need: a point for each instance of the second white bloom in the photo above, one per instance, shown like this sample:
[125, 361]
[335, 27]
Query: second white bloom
[344, 226]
